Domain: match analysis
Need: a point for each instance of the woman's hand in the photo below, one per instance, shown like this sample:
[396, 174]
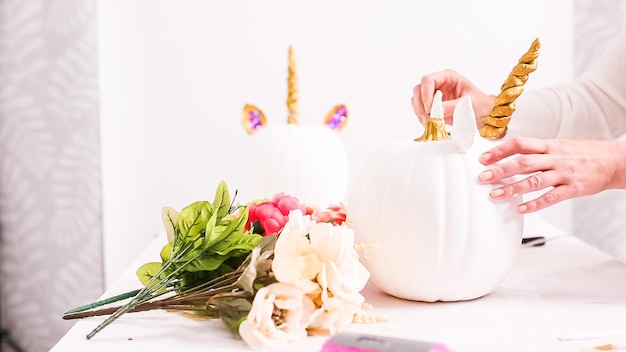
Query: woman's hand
[453, 86]
[567, 168]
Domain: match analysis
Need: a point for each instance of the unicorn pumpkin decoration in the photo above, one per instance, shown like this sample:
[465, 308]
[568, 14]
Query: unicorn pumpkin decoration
[306, 161]
[439, 237]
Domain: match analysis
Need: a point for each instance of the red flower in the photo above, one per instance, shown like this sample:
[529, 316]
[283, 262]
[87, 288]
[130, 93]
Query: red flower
[268, 218]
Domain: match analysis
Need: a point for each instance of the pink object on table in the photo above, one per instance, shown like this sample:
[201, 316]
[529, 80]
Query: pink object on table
[354, 342]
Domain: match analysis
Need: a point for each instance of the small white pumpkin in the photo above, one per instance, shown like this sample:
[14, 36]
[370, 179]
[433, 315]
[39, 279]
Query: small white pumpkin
[436, 234]
[306, 161]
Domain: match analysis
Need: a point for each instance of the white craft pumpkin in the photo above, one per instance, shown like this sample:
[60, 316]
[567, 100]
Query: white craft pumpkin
[306, 161]
[436, 235]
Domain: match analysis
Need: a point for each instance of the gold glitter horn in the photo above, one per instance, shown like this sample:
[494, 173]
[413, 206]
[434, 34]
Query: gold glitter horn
[292, 89]
[253, 118]
[496, 122]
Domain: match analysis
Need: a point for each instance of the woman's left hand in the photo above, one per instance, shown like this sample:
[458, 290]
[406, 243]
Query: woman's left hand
[567, 168]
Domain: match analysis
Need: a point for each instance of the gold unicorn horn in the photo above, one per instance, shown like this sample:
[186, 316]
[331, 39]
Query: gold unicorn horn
[496, 122]
[292, 90]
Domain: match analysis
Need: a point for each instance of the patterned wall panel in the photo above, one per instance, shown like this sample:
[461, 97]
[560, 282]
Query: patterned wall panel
[599, 219]
[50, 212]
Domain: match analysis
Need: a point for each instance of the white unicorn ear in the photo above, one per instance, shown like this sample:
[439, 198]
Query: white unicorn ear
[464, 125]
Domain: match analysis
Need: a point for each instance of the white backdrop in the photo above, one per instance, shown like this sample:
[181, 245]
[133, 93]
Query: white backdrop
[174, 76]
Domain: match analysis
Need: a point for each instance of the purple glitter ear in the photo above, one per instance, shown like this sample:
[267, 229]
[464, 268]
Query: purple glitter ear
[337, 117]
[253, 118]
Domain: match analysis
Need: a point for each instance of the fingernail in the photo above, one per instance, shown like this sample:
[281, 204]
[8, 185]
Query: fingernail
[522, 208]
[496, 193]
[485, 157]
[486, 175]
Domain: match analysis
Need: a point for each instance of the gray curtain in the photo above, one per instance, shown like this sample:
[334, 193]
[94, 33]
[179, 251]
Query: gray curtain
[50, 212]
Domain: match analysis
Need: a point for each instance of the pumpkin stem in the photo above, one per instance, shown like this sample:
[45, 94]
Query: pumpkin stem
[498, 119]
[435, 128]
[292, 89]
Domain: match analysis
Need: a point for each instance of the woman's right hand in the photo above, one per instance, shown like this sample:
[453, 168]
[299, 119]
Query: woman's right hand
[453, 86]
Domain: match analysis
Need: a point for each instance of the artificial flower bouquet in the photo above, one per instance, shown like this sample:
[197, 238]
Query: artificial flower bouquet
[272, 270]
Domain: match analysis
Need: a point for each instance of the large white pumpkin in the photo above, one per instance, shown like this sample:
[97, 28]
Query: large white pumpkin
[436, 234]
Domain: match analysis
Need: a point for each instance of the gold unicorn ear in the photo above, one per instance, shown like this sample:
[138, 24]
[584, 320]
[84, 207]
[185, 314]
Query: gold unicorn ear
[337, 117]
[252, 118]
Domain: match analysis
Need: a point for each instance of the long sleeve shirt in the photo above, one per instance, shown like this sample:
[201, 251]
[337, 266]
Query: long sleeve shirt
[592, 107]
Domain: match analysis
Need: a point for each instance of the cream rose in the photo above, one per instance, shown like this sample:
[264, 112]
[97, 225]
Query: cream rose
[280, 313]
[295, 261]
[335, 314]
[342, 275]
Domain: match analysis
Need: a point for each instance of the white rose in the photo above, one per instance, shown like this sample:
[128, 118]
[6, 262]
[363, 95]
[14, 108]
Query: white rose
[299, 222]
[335, 314]
[342, 275]
[280, 313]
[295, 261]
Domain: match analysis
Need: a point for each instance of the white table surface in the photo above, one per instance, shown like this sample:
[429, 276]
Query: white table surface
[561, 289]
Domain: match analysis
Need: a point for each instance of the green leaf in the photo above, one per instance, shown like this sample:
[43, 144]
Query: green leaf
[147, 271]
[206, 262]
[166, 252]
[235, 245]
[211, 231]
[191, 255]
[233, 225]
[170, 219]
[236, 241]
[237, 224]
[192, 221]
[222, 200]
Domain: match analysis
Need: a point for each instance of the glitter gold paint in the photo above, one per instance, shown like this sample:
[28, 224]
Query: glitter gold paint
[292, 89]
[434, 130]
[496, 122]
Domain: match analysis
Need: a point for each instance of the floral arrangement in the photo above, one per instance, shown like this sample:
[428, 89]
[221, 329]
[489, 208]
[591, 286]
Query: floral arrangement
[273, 270]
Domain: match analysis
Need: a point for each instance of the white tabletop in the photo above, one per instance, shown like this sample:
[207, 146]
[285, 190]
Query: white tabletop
[563, 289]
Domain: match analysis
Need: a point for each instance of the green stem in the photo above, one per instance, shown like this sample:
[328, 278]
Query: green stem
[147, 293]
[132, 304]
[140, 308]
[169, 263]
[103, 302]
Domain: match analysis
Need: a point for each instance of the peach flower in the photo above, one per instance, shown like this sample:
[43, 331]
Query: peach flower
[280, 313]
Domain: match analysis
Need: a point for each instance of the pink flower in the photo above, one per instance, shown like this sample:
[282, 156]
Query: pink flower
[287, 203]
[268, 218]
[334, 214]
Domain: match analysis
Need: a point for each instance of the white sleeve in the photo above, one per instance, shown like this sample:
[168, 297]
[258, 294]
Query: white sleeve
[594, 106]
